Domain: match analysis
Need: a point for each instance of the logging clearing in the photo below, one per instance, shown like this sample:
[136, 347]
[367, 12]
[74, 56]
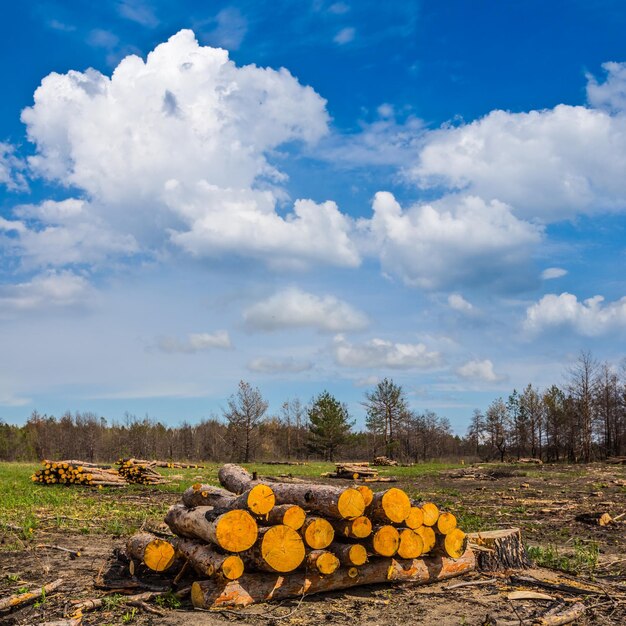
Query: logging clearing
[79, 533]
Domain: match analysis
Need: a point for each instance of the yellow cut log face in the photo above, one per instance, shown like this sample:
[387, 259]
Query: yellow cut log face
[428, 537]
[367, 493]
[455, 543]
[282, 548]
[430, 512]
[411, 544]
[446, 523]
[318, 533]
[261, 499]
[385, 541]
[415, 518]
[236, 531]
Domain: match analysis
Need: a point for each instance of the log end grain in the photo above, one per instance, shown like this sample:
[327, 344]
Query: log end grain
[367, 493]
[415, 518]
[455, 543]
[396, 505]
[428, 537]
[261, 499]
[294, 517]
[358, 554]
[430, 512]
[386, 540]
[236, 531]
[351, 503]
[282, 548]
[446, 523]
[323, 561]
[318, 533]
[411, 544]
[232, 567]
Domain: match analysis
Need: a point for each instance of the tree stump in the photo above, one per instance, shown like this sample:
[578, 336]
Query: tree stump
[498, 550]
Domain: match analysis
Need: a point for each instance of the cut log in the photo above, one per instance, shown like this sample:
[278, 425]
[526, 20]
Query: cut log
[280, 549]
[252, 588]
[453, 544]
[323, 561]
[411, 544]
[207, 561]
[258, 499]
[204, 495]
[392, 505]
[446, 523]
[358, 528]
[233, 531]
[428, 537]
[384, 541]
[367, 493]
[499, 550]
[20, 599]
[415, 518]
[350, 554]
[318, 533]
[323, 499]
[430, 511]
[156, 554]
[290, 515]
[599, 518]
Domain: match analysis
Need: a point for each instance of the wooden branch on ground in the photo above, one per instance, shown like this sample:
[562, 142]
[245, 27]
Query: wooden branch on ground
[73, 553]
[20, 599]
[252, 588]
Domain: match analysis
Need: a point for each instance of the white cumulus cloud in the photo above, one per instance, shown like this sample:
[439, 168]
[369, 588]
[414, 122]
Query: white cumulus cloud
[294, 308]
[196, 342]
[478, 370]
[177, 147]
[591, 317]
[549, 165]
[11, 169]
[456, 241]
[384, 353]
[611, 94]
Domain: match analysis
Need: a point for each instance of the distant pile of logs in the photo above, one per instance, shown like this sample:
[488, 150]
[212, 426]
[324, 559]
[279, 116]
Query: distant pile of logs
[77, 473]
[385, 461]
[360, 470]
[296, 539]
[139, 472]
[166, 464]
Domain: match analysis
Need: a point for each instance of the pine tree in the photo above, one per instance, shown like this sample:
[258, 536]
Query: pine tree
[329, 425]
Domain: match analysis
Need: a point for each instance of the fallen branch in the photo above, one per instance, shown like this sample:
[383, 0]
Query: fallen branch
[30, 596]
[73, 553]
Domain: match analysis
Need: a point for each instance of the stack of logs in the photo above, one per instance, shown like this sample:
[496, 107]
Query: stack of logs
[385, 461]
[140, 472]
[167, 464]
[295, 539]
[77, 473]
[360, 470]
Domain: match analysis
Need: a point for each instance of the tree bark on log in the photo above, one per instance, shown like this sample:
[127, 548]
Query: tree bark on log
[156, 554]
[498, 550]
[323, 561]
[252, 588]
[333, 502]
[233, 531]
[207, 561]
[358, 528]
[259, 499]
[349, 554]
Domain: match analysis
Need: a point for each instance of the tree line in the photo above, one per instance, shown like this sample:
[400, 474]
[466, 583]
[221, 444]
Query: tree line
[581, 421]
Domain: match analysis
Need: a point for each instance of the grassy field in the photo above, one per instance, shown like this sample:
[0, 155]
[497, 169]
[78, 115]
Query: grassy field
[30, 507]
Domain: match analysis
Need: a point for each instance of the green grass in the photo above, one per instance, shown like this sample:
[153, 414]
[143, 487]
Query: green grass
[583, 558]
[33, 507]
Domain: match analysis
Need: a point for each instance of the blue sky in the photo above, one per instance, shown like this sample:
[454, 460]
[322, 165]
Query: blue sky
[307, 195]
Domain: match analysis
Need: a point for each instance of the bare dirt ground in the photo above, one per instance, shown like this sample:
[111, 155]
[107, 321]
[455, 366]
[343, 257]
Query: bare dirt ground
[544, 501]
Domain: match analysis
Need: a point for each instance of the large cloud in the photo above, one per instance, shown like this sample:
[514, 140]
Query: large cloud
[179, 144]
[548, 164]
[590, 317]
[456, 241]
[294, 308]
